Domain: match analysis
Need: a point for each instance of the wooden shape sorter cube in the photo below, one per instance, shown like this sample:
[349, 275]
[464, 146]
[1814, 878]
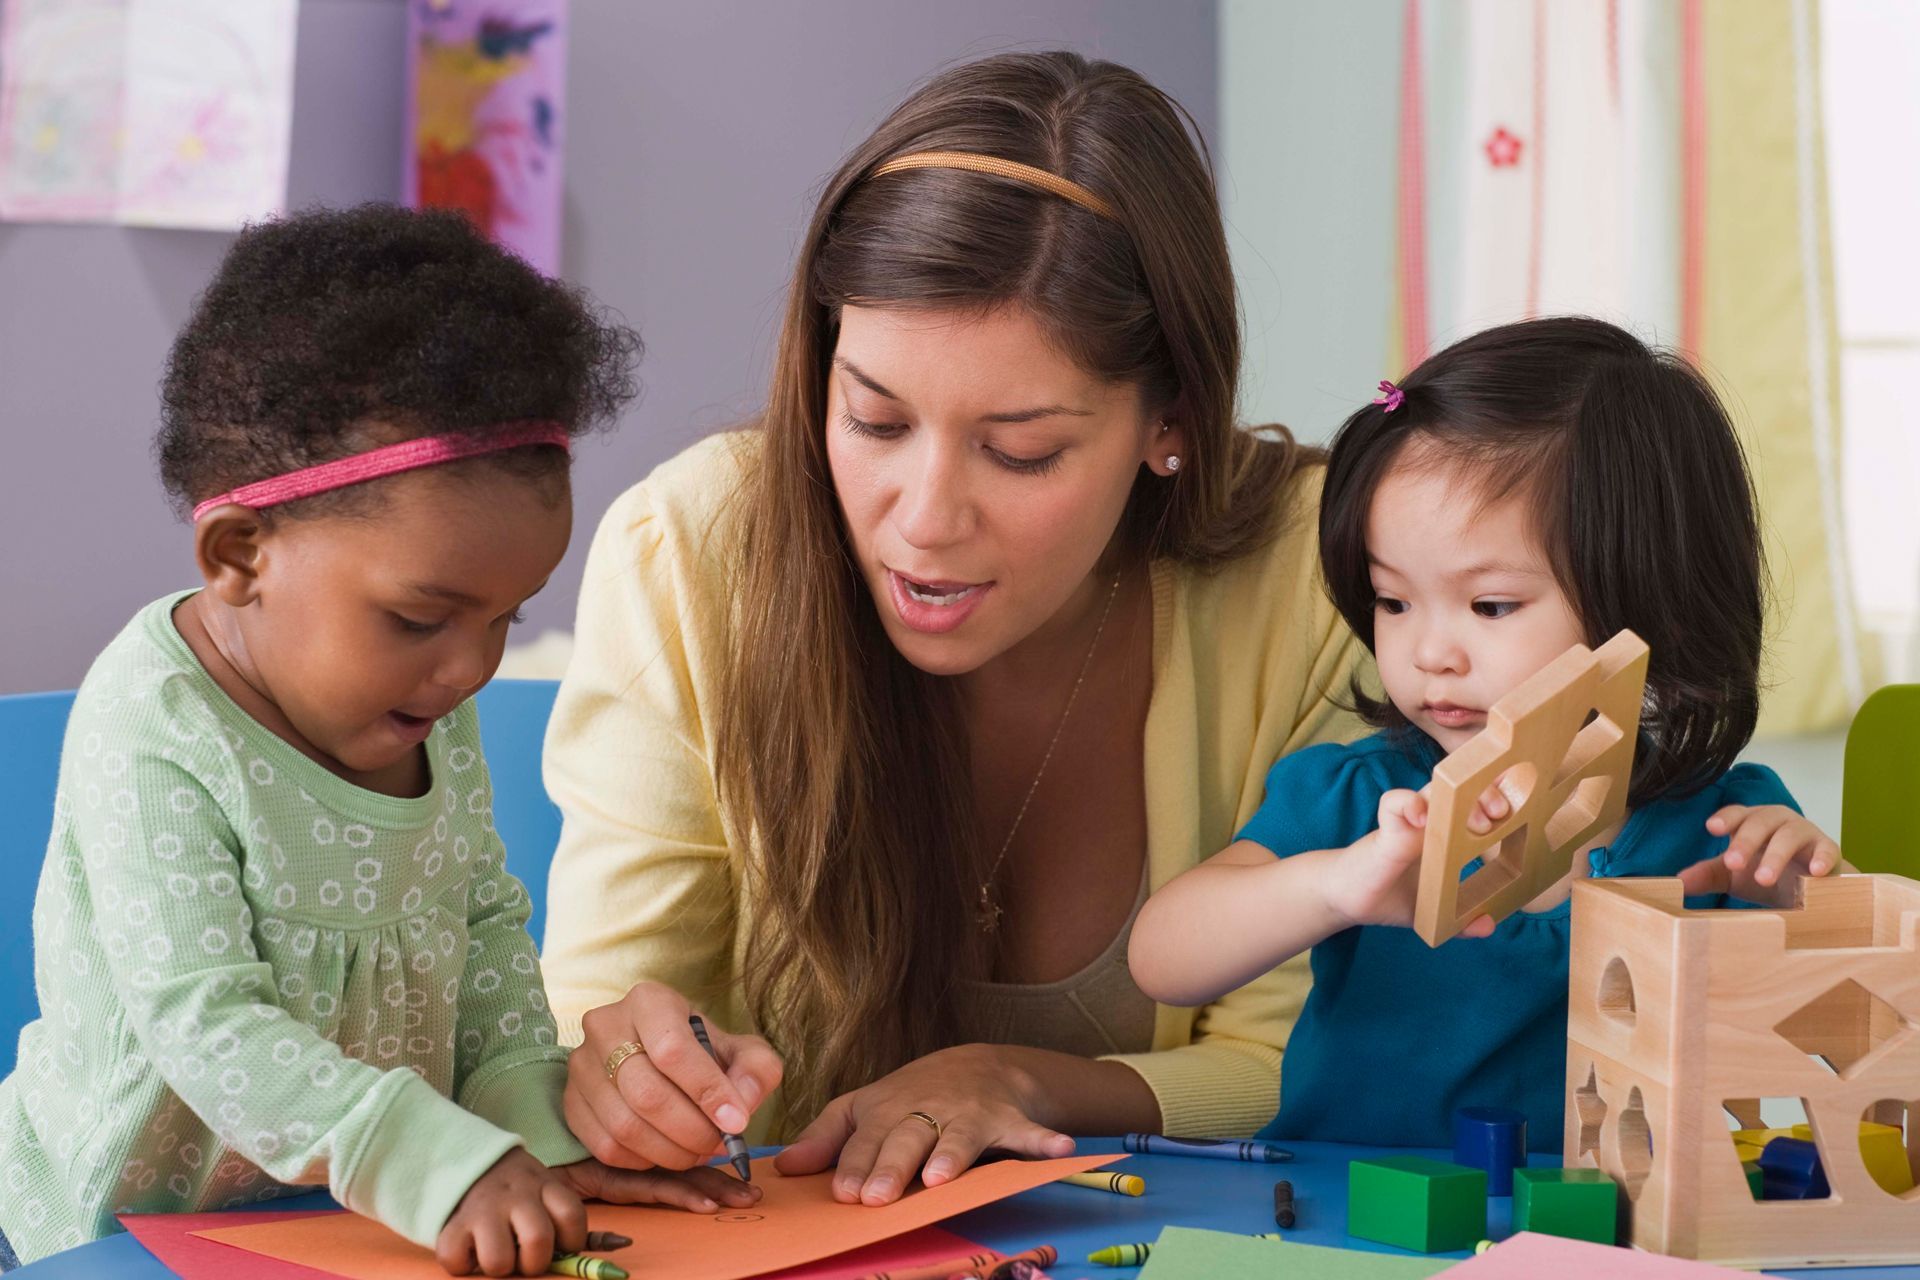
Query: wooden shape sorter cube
[1679, 1021]
[1564, 740]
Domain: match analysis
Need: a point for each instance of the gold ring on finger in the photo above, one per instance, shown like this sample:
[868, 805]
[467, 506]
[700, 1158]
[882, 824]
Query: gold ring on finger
[927, 1120]
[620, 1054]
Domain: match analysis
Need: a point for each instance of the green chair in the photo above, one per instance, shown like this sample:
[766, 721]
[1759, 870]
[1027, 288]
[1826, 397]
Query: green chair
[1880, 783]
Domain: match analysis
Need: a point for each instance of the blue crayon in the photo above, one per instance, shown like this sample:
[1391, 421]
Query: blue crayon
[1152, 1144]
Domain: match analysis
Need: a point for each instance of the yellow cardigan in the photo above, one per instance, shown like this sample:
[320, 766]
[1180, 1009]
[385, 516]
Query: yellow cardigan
[646, 883]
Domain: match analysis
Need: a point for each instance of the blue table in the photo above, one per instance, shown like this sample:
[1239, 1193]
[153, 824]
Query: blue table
[1222, 1195]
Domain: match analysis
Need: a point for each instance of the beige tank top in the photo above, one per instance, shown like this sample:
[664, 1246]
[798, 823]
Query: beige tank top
[1095, 1011]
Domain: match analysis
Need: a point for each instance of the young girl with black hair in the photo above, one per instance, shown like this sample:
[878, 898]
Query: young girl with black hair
[276, 942]
[1535, 486]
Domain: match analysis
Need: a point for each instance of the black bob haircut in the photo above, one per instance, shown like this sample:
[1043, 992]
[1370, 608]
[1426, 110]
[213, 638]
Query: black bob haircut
[1640, 497]
[326, 324]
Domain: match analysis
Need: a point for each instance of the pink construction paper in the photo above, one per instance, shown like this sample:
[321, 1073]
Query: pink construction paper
[1531, 1256]
[928, 1244]
[169, 1237]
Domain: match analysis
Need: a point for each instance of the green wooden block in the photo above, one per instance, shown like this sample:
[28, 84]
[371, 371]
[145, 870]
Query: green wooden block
[1579, 1204]
[1426, 1205]
[1756, 1180]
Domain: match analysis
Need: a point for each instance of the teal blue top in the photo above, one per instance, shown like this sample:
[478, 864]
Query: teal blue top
[1396, 1035]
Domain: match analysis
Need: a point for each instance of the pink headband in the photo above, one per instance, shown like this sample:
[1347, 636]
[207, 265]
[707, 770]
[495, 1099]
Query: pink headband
[408, 455]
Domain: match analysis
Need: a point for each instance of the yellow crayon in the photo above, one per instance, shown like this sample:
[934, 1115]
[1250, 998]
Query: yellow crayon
[1132, 1255]
[578, 1264]
[1121, 1184]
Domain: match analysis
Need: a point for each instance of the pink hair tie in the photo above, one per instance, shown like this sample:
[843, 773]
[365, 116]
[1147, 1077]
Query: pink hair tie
[408, 455]
[1390, 396]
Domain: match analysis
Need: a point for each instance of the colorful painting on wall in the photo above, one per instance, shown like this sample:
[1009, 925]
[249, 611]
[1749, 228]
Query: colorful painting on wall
[166, 113]
[486, 100]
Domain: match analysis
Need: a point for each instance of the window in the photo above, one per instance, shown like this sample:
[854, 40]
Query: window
[1869, 49]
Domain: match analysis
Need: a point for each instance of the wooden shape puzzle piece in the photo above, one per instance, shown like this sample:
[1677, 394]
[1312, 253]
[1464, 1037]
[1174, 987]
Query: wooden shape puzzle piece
[1567, 738]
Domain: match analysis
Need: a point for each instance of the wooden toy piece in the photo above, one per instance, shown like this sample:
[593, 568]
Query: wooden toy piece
[1883, 1149]
[1580, 1204]
[1429, 1206]
[1563, 740]
[1493, 1139]
[1678, 1018]
[1790, 1170]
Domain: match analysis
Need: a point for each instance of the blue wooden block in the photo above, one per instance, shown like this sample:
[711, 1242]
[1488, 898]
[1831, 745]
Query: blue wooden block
[1494, 1139]
[1790, 1170]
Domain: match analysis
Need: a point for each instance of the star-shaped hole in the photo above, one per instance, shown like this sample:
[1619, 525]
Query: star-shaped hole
[1592, 1110]
[1845, 1029]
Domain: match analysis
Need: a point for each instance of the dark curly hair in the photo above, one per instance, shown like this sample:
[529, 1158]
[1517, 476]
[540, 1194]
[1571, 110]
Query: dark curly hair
[329, 323]
[1640, 495]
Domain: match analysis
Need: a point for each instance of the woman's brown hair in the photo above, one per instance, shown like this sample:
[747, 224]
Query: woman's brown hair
[842, 767]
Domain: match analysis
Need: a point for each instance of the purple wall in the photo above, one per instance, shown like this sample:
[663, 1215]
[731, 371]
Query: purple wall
[699, 130]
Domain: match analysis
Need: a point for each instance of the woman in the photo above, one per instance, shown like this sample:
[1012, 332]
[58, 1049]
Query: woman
[885, 716]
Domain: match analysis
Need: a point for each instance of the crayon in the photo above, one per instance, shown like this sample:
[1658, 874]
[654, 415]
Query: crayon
[936, 1270]
[1283, 1204]
[1120, 1184]
[606, 1242]
[1017, 1269]
[736, 1149]
[578, 1264]
[1152, 1144]
[1132, 1255]
[1023, 1266]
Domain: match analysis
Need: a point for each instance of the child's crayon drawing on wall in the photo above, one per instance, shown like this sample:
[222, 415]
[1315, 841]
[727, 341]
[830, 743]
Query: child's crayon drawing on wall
[486, 100]
[170, 113]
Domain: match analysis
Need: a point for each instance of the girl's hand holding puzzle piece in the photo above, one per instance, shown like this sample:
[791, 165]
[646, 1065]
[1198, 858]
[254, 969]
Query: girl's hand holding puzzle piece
[1374, 881]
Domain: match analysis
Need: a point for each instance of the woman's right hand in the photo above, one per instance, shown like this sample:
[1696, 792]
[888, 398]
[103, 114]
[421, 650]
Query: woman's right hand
[667, 1105]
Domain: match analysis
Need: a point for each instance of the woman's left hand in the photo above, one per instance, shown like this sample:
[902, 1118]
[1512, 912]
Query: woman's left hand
[1769, 849]
[977, 1095]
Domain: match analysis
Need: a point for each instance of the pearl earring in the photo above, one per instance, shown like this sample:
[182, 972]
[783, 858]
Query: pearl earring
[1173, 462]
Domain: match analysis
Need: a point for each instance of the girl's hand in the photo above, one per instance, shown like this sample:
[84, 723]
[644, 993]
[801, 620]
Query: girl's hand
[702, 1189]
[513, 1220]
[979, 1099]
[1374, 880]
[668, 1105]
[520, 1213]
[1769, 849]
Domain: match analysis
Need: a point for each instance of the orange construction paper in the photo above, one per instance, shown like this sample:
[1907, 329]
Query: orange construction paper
[797, 1221]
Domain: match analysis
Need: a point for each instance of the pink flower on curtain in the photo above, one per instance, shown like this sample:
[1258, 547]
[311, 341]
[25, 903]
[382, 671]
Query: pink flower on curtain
[1503, 149]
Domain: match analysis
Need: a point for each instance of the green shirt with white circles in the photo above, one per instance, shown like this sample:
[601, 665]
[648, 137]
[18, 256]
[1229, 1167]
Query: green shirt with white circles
[255, 976]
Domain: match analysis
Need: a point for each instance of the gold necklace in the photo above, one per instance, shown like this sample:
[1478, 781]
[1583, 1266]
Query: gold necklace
[990, 911]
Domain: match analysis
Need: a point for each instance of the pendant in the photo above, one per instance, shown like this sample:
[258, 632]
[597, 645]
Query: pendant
[989, 913]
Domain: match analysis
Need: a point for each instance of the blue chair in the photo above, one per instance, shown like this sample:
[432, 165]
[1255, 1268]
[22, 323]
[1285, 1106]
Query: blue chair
[31, 727]
[513, 725]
